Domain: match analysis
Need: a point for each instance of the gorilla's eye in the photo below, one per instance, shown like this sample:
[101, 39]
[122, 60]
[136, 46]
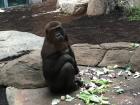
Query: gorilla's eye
[59, 30]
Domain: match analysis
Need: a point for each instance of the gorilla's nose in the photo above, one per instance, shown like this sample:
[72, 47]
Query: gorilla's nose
[58, 35]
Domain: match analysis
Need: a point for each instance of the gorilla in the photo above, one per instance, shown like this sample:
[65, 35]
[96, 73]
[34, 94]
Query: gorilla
[58, 60]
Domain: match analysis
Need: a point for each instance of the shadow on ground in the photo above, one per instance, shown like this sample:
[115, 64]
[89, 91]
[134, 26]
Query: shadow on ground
[3, 100]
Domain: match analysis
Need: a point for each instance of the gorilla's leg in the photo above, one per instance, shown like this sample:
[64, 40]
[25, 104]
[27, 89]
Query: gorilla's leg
[65, 81]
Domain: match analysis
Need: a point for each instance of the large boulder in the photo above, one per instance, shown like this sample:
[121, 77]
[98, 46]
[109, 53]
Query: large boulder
[24, 72]
[117, 46]
[40, 96]
[72, 7]
[116, 57]
[135, 60]
[100, 7]
[15, 43]
[87, 54]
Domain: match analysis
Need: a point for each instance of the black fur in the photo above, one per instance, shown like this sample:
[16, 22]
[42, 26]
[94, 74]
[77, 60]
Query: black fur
[59, 64]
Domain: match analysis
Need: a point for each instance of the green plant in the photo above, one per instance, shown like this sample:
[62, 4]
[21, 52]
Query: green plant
[133, 14]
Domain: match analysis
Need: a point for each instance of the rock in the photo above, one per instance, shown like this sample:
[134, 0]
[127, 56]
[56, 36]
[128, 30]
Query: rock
[96, 7]
[100, 7]
[15, 43]
[95, 46]
[117, 45]
[87, 54]
[126, 4]
[40, 96]
[116, 57]
[110, 6]
[28, 96]
[73, 7]
[24, 72]
[135, 60]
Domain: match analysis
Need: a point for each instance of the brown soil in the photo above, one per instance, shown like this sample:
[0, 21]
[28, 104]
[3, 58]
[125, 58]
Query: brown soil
[100, 29]
[21, 18]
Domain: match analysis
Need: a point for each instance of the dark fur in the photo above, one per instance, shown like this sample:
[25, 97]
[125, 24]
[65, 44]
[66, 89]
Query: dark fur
[59, 64]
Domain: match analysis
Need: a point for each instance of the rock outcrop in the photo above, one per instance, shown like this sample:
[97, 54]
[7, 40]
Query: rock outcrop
[15, 43]
[94, 7]
[24, 72]
[100, 7]
[108, 54]
[72, 7]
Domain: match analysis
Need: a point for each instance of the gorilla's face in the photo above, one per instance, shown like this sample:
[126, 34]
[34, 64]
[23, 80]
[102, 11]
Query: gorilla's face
[55, 32]
[59, 34]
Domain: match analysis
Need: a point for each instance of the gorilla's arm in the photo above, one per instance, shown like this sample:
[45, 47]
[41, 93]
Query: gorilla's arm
[75, 63]
[64, 59]
[54, 63]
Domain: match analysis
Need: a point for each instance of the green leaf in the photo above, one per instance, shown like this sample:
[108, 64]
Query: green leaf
[100, 82]
[95, 98]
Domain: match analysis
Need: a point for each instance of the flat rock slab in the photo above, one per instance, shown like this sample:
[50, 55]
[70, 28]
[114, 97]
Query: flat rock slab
[88, 54]
[135, 60]
[108, 54]
[117, 45]
[14, 43]
[24, 72]
[116, 57]
[40, 96]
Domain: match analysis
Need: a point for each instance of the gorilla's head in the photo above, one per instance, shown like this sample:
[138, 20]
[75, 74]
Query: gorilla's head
[55, 32]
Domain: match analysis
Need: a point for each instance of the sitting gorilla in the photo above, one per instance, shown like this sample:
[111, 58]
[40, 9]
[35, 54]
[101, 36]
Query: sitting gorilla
[59, 64]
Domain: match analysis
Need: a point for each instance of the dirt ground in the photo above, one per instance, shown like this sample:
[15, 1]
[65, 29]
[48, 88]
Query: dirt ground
[80, 29]
[21, 19]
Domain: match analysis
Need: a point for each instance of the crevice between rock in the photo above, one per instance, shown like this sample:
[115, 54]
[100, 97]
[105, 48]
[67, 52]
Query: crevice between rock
[101, 58]
[10, 58]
